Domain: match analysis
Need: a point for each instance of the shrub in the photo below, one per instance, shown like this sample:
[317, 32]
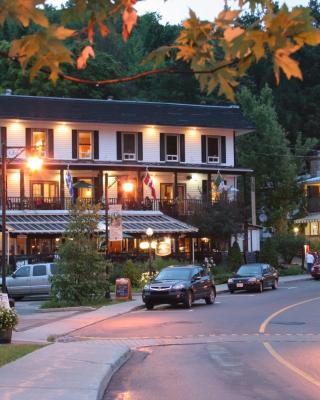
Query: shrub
[131, 271]
[269, 253]
[235, 258]
[289, 246]
[8, 318]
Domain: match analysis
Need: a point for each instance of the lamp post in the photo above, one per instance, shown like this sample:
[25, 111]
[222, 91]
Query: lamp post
[34, 163]
[149, 233]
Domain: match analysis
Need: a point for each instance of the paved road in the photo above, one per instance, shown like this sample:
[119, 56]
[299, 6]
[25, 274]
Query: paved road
[224, 351]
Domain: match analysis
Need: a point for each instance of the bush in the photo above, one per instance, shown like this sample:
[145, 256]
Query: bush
[269, 253]
[289, 246]
[235, 258]
[132, 272]
[8, 318]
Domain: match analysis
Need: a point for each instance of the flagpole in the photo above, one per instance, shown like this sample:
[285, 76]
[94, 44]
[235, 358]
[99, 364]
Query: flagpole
[106, 202]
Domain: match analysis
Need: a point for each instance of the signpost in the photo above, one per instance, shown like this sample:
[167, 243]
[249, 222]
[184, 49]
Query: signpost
[123, 289]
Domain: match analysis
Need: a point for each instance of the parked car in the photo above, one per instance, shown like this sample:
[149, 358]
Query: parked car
[255, 276]
[315, 271]
[31, 279]
[180, 284]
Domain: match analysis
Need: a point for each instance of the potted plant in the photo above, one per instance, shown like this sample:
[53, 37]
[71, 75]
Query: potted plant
[8, 321]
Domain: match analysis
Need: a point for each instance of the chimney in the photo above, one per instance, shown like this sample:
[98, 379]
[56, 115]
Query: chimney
[8, 92]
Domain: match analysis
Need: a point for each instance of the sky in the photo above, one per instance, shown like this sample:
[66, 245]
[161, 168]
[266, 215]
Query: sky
[174, 11]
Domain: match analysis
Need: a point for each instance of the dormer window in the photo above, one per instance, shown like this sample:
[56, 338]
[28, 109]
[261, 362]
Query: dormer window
[172, 148]
[129, 146]
[213, 150]
[85, 145]
[40, 141]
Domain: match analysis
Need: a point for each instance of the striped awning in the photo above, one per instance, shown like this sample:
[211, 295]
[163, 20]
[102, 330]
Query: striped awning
[314, 217]
[55, 222]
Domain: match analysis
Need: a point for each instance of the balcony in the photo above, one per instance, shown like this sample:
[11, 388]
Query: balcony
[313, 204]
[170, 207]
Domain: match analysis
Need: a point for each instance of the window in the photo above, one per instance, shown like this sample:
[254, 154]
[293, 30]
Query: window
[39, 270]
[85, 145]
[213, 147]
[172, 148]
[40, 141]
[44, 189]
[85, 190]
[314, 228]
[23, 272]
[129, 146]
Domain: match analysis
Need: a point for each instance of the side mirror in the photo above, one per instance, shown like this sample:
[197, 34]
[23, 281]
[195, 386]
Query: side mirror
[197, 278]
[13, 275]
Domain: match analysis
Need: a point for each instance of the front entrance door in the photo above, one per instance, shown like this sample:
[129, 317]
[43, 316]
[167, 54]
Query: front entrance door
[167, 196]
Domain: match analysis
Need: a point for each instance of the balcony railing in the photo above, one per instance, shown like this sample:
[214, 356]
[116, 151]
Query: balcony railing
[182, 207]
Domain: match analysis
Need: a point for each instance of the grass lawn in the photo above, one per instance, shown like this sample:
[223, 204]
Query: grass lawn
[293, 269]
[11, 352]
[98, 303]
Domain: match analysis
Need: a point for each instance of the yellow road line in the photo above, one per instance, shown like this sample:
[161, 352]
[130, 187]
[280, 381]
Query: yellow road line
[290, 366]
[264, 324]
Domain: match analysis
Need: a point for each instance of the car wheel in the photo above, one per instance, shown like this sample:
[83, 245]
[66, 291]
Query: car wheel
[275, 284]
[211, 298]
[188, 299]
[149, 306]
[260, 288]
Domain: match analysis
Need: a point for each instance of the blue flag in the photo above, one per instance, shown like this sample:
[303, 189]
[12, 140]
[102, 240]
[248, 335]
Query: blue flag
[70, 185]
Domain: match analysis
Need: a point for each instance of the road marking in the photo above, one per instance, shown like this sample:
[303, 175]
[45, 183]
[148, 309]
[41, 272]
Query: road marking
[264, 324]
[290, 287]
[287, 364]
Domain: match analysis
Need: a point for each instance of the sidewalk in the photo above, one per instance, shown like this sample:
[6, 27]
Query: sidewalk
[72, 370]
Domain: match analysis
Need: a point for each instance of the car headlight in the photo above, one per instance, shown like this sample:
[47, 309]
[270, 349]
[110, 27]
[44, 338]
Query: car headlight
[230, 280]
[178, 286]
[146, 287]
[252, 280]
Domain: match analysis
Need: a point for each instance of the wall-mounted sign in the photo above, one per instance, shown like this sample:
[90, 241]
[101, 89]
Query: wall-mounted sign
[115, 231]
[163, 249]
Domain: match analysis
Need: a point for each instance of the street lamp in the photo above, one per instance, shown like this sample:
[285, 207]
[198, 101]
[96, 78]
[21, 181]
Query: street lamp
[34, 163]
[149, 233]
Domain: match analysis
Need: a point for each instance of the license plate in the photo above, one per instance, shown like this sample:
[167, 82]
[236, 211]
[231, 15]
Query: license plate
[239, 284]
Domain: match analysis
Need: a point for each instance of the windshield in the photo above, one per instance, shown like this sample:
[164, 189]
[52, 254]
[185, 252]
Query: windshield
[174, 274]
[249, 270]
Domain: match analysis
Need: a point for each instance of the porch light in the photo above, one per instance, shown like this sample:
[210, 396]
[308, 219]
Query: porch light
[34, 163]
[144, 245]
[149, 232]
[128, 187]
[296, 230]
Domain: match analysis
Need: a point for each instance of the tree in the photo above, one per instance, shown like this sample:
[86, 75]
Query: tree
[267, 152]
[235, 258]
[217, 53]
[81, 274]
[220, 221]
[269, 253]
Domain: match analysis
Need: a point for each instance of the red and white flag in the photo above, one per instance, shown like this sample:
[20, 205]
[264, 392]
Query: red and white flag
[148, 181]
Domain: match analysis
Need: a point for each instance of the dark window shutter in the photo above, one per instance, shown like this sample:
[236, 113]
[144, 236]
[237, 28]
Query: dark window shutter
[50, 152]
[74, 144]
[96, 145]
[119, 146]
[140, 147]
[162, 147]
[182, 149]
[223, 149]
[28, 140]
[4, 135]
[204, 189]
[97, 191]
[203, 148]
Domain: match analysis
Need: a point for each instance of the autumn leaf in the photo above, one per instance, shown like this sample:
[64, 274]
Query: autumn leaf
[289, 66]
[232, 33]
[129, 18]
[90, 30]
[104, 30]
[62, 33]
[83, 58]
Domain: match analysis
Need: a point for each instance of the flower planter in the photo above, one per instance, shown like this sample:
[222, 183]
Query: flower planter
[5, 336]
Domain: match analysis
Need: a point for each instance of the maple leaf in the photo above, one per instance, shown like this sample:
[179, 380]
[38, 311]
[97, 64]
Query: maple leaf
[83, 58]
[129, 18]
[90, 30]
[232, 33]
[104, 30]
[289, 66]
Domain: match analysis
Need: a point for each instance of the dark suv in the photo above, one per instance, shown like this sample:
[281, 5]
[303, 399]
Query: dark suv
[180, 284]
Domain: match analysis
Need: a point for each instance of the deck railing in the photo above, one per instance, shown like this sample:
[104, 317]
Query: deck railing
[178, 207]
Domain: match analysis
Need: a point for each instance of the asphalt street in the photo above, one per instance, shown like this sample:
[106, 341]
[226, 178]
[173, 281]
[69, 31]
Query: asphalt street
[246, 346]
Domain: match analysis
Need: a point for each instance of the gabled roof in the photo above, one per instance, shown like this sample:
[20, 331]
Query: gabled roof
[122, 112]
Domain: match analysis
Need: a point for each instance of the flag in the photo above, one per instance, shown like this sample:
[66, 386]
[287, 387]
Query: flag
[70, 185]
[219, 182]
[148, 181]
